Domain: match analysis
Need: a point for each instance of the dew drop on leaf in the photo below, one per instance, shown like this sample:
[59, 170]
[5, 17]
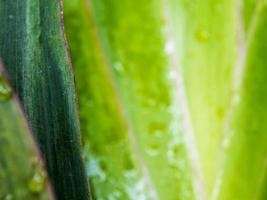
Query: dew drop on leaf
[5, 91]
[37, 182]
[115, 195]
[118, 67]
[95, 169]
[226, 143]
[173, 154]
[202, 36]
[153, 150]
[236, 99]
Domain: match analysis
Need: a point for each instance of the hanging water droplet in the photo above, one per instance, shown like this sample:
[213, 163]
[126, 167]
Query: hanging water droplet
[37, 182]
[5, 91]
[202, 35]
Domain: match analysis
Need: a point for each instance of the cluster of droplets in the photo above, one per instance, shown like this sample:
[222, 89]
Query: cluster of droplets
[177, 155]
[133, 186]
[5, 91]
[140, 188]
[95, 170]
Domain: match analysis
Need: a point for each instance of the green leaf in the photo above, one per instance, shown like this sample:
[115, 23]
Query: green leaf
[132, 129]
[205, 34]
[107, 148]
[33, 48]
[244, 176]
[21, 172]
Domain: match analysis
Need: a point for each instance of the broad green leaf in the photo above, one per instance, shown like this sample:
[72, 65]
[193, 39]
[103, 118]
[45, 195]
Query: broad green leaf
[133, 134]
[21, 173]
[205, 37]
[33, 48]
[107, 148]
[244, 175]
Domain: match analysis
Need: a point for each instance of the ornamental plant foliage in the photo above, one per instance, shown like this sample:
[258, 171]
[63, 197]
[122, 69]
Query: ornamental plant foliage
[133, 100]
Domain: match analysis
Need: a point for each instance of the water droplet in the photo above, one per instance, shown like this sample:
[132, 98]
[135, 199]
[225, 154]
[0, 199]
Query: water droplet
[169, 47]
[226, 143]
[150, 102]
[37, 182]
[130, 174]
[202, 36]
[118, 67]
[157, 128]
[236, 99]
[173, 75]
[5, 91]
[95, 168]
[140, 190]
[153, 150]
[173, 154]
[220, 112]
[114, 195]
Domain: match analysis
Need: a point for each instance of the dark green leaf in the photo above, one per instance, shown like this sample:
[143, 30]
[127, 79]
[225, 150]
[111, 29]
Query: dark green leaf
[33, 48]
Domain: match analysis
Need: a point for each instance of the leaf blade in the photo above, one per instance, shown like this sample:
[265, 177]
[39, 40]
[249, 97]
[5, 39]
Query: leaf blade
[107, 16]
[33, 48]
